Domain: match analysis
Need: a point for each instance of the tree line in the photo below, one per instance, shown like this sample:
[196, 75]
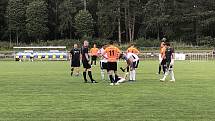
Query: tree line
[188, 21]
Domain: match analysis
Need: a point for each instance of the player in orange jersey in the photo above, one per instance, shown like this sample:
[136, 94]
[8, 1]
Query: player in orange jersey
[161, 57]
[94, 54]
[112, 54]
[132, 49]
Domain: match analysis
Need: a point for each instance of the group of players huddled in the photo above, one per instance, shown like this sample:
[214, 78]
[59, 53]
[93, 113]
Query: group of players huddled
[109, 55]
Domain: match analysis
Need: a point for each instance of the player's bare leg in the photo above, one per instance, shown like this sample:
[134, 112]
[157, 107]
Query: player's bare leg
[103, 74]
[77, 69]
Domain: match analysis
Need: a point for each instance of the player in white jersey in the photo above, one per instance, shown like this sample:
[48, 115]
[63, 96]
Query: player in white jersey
[103, 62]
[132, 62]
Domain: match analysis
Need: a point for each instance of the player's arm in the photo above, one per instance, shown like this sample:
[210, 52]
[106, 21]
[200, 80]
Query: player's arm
[80, 56]
[163, 54]
[70, 55]
[104, 53]
[128, 50]
[87, 57]
[137, 51]
[97, 50]
[129, 62]
[172, 57]
[118, 52]
[91, 52]
[99, 53]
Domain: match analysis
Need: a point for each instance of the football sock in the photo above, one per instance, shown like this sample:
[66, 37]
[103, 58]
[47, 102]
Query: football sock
[172, 75]
[165, 75]
[90, 75]
[72, 71]
[131, 76]
[159, 69]
[164, 69]
[134, 75]
[127, 69]
[116, 78]
[85, 76]
[111, 78]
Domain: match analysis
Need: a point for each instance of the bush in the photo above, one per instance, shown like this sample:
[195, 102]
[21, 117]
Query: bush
[142, 42]
[206, 41]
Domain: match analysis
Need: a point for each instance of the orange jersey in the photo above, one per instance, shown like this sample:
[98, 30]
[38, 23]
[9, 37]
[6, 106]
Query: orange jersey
[112, 53]
[133, 50]
[161, 47]
[94, 51]
[163, 50]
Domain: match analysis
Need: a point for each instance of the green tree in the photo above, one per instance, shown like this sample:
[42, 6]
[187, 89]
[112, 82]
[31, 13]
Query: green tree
[84, 23]
[3, 4]
[67, 11]
[53, 18]
[37, 19]
[16, 18]
[107, 19]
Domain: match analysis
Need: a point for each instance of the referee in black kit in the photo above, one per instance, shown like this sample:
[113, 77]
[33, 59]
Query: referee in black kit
[75, 55]
[86, 62]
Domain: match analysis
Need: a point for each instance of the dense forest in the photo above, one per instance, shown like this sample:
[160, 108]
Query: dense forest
[188, 21]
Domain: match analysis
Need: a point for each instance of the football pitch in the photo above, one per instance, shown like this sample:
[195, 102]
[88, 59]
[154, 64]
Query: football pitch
[46, 91]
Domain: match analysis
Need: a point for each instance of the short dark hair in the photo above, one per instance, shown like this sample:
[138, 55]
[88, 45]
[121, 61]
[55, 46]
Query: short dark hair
[121, 55]
[111, 42]
[167, 43]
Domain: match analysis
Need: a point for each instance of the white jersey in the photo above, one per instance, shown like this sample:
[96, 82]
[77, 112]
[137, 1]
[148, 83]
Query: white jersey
[100, 53]
[132, 56]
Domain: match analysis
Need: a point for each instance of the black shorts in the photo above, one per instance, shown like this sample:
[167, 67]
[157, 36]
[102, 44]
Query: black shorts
[94, 58]
[75, 63]
[103, 65]
[163, 62]
[111, 66]
[86, 65]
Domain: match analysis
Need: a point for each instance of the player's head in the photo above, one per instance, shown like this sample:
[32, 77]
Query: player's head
[94, 45]
[162, 44]
[164, 40]
[111, 42]
[86, 43]
[131, 45]
[122, 55]
[105, 46]
[75, 45]
[167, 44]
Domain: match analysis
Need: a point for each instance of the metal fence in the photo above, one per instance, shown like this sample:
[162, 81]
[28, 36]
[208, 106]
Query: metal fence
[10, 55]
[7, 55]
[189, 56]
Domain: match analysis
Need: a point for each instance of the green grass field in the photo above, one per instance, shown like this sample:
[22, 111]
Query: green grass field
[45, 91]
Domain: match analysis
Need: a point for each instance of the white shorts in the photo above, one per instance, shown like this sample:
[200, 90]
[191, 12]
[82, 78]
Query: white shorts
[160, 58]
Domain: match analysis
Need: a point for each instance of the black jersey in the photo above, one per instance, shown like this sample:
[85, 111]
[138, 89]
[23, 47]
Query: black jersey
[84, 51]
[168, 54]
[75, 54]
